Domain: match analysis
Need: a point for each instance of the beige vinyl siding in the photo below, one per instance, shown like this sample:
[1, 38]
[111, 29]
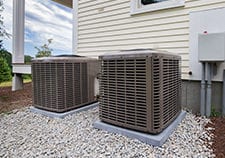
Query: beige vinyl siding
[106, 26]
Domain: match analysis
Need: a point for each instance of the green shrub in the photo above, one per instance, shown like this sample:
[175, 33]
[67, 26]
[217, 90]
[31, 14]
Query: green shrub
[5, 71]
[44, 51]
[214, 113]
[26, 76]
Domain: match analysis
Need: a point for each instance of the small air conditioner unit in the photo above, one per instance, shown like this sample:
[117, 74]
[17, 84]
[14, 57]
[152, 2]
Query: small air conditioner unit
[140, 90]
[63, 83]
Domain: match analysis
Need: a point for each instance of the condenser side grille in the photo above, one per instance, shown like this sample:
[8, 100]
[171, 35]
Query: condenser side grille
[59, 86]
[77, 83]
[157, 100]
[84, 80]
[123, 92]
[171, 89]
[69, 90]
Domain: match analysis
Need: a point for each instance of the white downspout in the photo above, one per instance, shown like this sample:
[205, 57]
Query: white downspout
[18, 40]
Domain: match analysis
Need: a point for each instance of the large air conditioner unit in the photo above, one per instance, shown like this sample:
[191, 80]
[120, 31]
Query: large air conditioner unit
[140, 89]
[63, 83]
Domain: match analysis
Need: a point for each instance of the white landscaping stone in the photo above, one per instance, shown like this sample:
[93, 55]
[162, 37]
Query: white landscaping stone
[25, 134]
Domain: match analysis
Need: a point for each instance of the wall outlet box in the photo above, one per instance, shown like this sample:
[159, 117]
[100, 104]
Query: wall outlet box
[211, 47]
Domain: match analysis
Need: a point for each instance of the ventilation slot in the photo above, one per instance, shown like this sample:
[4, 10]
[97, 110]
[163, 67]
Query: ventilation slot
[156, 93]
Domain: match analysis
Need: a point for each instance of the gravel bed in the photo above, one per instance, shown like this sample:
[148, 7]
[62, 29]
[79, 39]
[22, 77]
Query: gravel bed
[25, 134]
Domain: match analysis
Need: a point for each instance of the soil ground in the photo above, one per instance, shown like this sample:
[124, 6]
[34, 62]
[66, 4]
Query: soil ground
[14, 100]
[218, 123]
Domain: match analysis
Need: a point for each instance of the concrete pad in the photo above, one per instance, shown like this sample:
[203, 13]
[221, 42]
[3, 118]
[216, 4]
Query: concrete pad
[155, 140]
[17, 82]
[64, 114]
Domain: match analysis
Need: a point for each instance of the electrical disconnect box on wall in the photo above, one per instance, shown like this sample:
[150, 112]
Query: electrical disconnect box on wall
[211, 47]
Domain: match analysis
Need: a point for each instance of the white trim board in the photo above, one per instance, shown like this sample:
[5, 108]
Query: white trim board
[136, 7]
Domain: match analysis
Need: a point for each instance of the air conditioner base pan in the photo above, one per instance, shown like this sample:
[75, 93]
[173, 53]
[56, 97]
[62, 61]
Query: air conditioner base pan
[64, 114]
[155, 140]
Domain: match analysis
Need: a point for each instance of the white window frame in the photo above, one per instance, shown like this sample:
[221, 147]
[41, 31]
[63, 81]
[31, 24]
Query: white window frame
[137, 7]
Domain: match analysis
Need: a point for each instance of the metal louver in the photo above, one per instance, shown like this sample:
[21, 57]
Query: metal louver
[63, 83]
[140, 90]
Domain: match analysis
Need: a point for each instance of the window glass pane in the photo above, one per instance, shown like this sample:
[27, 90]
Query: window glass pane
[145, 2]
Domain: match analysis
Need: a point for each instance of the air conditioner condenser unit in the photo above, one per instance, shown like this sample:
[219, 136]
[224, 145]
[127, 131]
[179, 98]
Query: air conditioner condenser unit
[63, 83]
[140, 89]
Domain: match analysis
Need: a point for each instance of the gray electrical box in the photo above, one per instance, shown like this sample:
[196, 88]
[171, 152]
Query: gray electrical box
[211, 47]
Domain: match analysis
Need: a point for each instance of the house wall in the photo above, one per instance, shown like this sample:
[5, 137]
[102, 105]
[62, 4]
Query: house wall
[105, 26]
[191, 94]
